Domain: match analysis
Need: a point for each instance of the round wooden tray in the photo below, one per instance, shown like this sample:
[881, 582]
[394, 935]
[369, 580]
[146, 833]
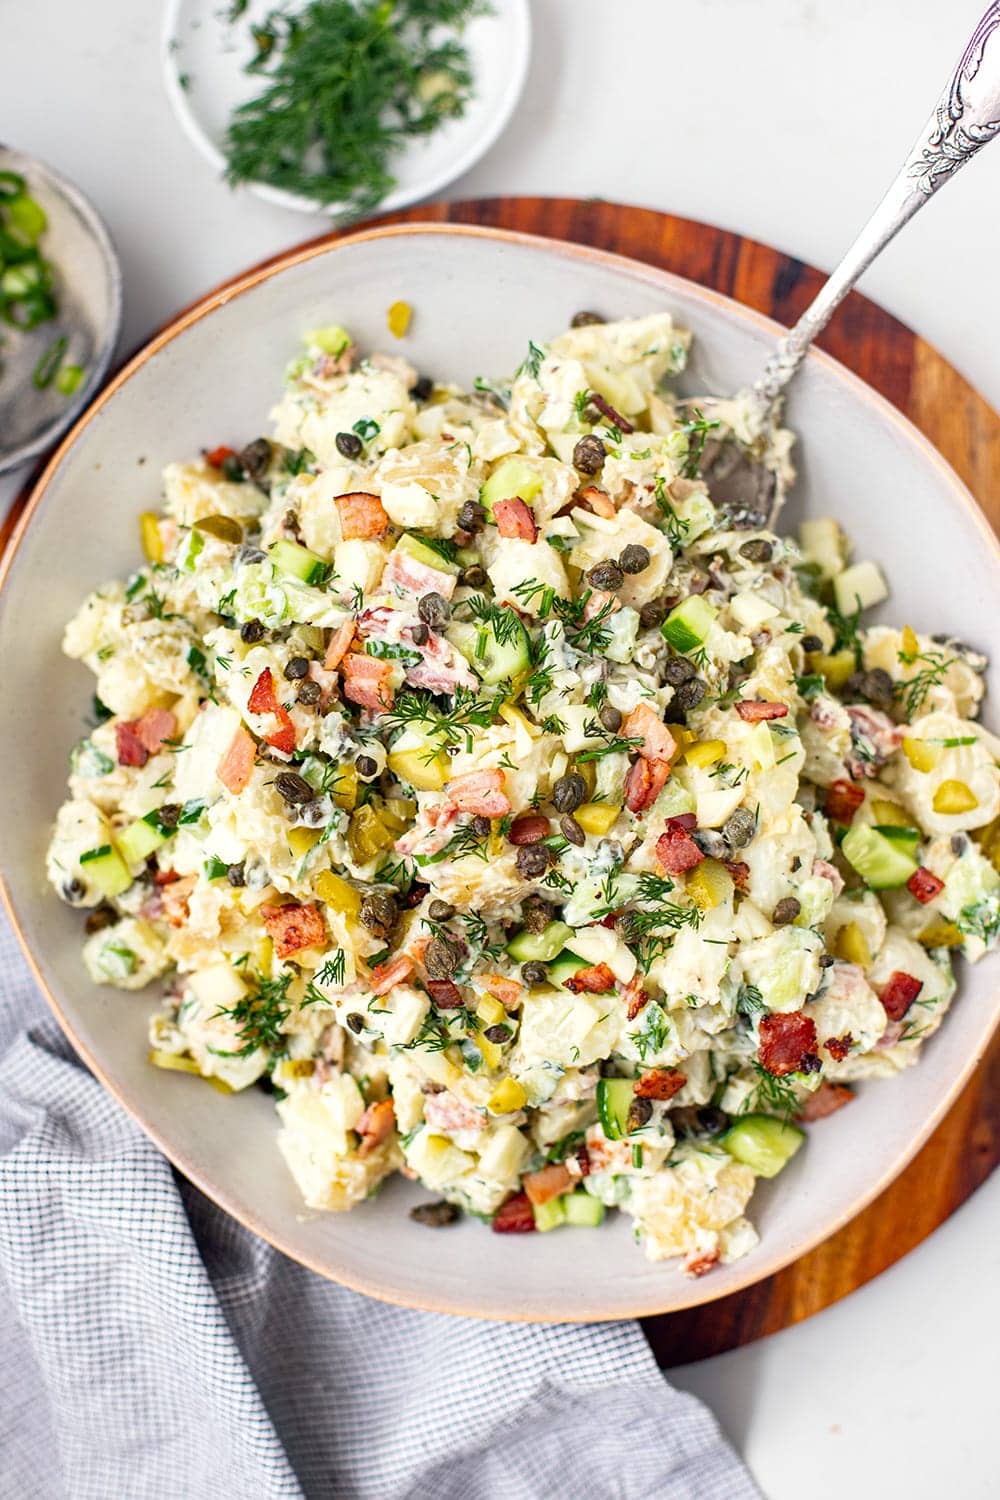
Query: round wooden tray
[966, 1146]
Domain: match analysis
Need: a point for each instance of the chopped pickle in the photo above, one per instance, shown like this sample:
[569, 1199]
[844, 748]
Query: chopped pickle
[152, 541]
[301, 840]
[398, 318]
[709, 884]
[891, 814]
[954, 797]
[508, 1096]
[941, 934]
[597, 817]
[908, 643]
[344, 791]
[922, 755]
[490, 1011]
[836, 668]
[850, 945]
[337, 893]
[704, 752]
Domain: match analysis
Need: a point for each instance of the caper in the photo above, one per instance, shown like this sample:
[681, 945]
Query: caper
[585, 318]
[314, 813]
[811, 643]
[252, 631]
[420, 635]
[367, 766]
[640, 1113]
[72, 890]
[292, 787]
[169, 814]
[712, 1121]
[423, 389]
[739, 828]
[652, 614]
[711, 843]
[474, 576]
[634, 558]
[256, 458]
[298, 666]
[532, 860]
[786, 911]
[688, 695]
[569, 792]
[433, 610]
[481, 826]
[677, 670]
[309, 691]
[246, 555]
[356, 1022]
[378, 913]
[232, 469]
[879, 686]
[472, 516]
[826, 960]
[536, 914]
[435, 1215]
[757, 550]
[99, 918]
[349, 444]
[441, 958]
[627, 926]
[498, 1034]
[440, 911]
[610, 718]
[534, 974]
[236, 874]
[571, 831]
[606, 576]
[589, 455]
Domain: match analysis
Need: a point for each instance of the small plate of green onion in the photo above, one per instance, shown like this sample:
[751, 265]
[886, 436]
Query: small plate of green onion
[344, 106]
[60, 305]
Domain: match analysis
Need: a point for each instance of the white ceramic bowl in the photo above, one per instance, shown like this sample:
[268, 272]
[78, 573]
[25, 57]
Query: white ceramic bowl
[478, 297]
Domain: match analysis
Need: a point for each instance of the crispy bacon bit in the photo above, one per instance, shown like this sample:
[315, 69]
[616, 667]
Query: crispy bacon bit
[548, 1182]
[366, 680]
[165, 877]
[597, 501]
[507, 991]
[445, 994]
[702, 1264]
[645, 725]
[155, 726]
[175, 899]
[582, 1158]
[659, 1083]
[843, 799]
[828, 1098]
[829, 872]
[406, 577]
[236, 766]
[480, 793]
[676, 849]
[597, 979]
[839, 1046]
[924, 885]
[899, 994]
[685, 822]
[787, 1043]
[361, 515]
[131, 750]
[530, 828]
[515, 519]
[740, 872]
[386, 976]
[375, 1126]
[263, 700]
[339, 645]
[445, 1111]
[753, 711]
[293, 927]
[514, 1216]
[644, 783]
[635, 998]
[217, 456]
[607, 410]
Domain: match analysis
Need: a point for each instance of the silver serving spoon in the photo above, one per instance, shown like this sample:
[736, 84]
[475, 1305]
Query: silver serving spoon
[747, 475]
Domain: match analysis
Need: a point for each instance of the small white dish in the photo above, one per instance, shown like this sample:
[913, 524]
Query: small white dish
[204, 57]
[89, 291]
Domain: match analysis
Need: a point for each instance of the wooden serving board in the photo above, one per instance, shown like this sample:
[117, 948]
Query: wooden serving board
[966, 1146]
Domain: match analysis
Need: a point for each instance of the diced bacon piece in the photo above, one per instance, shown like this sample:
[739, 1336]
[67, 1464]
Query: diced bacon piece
[548, 1182]
[843, 798]
[447, 1111]
[441, 668]
[644, 783]
[874, 737]
[676, 849]
[600, 603]
[339, 645]
[514, 1216]
[263, 700]
[787, 1043]
[386, 976]
[217, 456]
[514, 518]
[597, 501]
[635, 998]
[367, 681]
[899, 994]
[685, 822]
[839, 1046]
[829, 872]
[700, 1265]
[828, 1098]
[175, 897]
[596, 979]
[375, 1126]
[607, 410]
[582, 1158]
[283, 737]
[924, 885]
[753, 712]
[445, 994]
[529, 828]
[361, 515]
[740, 872]
[507, 991]
[644, 724]
[293, 927]
[408, 578]
[480, 793]
[659, 1083]
[165, 877]
[236, 766]
[131, 750]
[155, 726]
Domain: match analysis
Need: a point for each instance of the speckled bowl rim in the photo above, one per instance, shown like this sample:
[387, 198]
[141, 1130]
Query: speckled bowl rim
[758, 1268]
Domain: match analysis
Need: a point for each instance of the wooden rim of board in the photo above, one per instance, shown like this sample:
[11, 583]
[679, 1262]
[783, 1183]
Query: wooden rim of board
[966, 1146]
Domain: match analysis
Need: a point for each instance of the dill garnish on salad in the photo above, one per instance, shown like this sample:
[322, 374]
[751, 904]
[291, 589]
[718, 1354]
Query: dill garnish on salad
[516, 815]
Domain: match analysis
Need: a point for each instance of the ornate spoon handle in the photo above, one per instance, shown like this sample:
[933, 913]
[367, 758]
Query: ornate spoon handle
[966, 117]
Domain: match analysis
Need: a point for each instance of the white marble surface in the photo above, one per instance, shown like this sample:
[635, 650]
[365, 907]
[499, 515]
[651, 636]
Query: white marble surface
[673, 104]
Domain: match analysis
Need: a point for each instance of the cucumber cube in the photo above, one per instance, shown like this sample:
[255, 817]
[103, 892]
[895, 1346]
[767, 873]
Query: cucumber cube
[539, 947]
[549, 1215]
[687, 625]
[139, 840]
[882, 862]
[415, 547]
[582, 1210]
[614, 1100]
[108, 871]
[513, 478]
[762, 1143]
[298, 562]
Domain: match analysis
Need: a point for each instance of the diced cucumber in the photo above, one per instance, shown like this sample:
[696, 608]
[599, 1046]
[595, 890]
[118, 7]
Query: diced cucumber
[583, 1210]
[564, 967]
[299, 562]
[860, 585]
[539, 947]
[762, 1143]
[512, 478]
[188, 550]
[614, 1100]
[549, 1215]
[880, 861]
[332, 339]
[108, 871]
[139, 840]
[688, 623]
[415, 547]
[904, 839]
[497, 650]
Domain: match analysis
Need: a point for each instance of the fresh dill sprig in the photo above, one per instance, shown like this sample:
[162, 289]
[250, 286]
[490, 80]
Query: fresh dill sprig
[260, 1016]
[913, 692]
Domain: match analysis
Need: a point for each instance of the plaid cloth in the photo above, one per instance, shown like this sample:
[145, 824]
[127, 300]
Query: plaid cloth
[153, 1349]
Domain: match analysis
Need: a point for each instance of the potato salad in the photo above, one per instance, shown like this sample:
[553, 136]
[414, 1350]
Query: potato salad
[518, 818]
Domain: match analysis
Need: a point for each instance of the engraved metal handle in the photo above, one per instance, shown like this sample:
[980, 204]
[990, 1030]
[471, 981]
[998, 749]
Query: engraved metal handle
[966, 117]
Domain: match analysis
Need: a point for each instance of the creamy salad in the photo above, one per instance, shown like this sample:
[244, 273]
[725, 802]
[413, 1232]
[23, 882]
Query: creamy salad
[516, 817]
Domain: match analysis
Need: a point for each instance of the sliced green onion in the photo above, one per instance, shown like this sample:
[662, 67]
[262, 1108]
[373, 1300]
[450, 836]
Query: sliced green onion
[26, 217]
[45, 370]
[12, 185]
[69, 379]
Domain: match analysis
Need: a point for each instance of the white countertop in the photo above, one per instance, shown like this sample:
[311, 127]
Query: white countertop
[673, 106]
